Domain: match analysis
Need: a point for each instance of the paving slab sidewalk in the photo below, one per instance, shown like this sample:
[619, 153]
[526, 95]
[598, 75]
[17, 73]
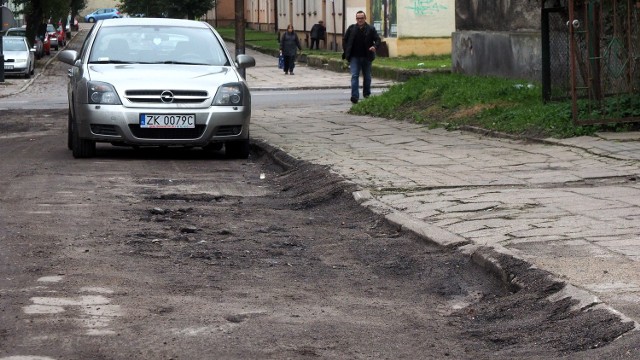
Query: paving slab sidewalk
[567, 206]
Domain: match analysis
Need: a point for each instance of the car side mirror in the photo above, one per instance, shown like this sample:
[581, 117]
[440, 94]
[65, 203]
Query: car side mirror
[244, 61]
[68, 57]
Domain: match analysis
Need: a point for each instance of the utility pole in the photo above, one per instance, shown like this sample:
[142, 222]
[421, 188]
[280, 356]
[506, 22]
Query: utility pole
[2, 2]
[239, 13]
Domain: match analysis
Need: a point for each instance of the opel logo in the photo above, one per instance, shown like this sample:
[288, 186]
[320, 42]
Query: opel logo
[166, 97]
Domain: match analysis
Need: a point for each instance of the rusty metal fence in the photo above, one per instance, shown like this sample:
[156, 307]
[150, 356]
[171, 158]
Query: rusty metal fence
[591, 55]
[604, 60]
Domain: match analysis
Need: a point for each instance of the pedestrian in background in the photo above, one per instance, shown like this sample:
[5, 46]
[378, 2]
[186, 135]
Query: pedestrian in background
[318, 32]
[359, 44]
[289, 46]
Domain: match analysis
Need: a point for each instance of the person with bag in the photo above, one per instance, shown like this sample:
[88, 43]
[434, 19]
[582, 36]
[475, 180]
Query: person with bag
[318, 32]
[289, 46]
[359, 44]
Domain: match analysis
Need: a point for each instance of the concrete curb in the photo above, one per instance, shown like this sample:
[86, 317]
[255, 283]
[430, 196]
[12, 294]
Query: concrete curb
[495, 260]
[491, 259]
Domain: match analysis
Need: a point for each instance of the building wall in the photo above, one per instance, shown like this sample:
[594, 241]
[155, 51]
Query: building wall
[504, 54]
[424, 28]
[223, 15]
[498, 38]
[420, 27]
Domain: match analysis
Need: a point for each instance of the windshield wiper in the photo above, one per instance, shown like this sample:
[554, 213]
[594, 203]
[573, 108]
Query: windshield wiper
[110, 61]
[179, 62]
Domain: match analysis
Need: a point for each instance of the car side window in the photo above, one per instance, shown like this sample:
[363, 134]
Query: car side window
[85, 44]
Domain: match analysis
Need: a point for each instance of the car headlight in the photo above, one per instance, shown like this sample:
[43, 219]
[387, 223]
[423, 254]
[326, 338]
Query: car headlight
[20, 60]
[228, 95]
[102, 93]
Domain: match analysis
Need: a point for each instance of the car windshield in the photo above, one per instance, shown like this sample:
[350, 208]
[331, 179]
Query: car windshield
[51, 28]
[13, 44]
[16, 32]
[157, 45]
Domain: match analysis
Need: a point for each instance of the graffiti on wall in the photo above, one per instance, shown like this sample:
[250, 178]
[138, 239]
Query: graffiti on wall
[427, 7]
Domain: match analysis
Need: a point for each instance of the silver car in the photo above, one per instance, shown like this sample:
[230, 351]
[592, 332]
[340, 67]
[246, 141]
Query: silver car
[157, 82]
[18, 57]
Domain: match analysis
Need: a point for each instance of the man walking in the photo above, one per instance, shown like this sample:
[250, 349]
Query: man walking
[360, 43]
[318, 32]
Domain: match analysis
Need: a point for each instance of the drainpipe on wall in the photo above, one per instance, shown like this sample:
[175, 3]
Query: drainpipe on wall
[335, 29]
[304, 22]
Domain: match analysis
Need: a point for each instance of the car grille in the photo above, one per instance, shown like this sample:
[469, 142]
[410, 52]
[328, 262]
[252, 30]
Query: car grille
[167, 96]
[141, 133]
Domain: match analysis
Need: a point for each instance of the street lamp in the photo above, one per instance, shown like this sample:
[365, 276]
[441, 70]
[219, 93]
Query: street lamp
[2, 2]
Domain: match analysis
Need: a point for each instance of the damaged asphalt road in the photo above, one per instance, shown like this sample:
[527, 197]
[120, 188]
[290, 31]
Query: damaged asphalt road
[148, 254]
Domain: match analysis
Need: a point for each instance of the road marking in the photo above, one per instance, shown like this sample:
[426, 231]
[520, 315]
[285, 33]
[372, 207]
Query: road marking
[93, 311]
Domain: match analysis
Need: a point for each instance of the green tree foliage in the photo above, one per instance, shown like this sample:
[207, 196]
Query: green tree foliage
[189, 9]
[38, 13]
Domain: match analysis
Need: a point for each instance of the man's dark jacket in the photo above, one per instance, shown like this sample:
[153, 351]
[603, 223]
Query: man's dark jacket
[371, 38]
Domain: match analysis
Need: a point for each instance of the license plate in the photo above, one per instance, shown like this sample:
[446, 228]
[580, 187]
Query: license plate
[8, 67]
[168, 121]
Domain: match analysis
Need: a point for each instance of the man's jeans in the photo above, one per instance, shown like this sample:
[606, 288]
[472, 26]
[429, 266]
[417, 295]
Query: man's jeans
[357, 65]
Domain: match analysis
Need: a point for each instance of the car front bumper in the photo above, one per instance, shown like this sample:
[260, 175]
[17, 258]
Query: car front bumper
[16, 68]
[120, 125]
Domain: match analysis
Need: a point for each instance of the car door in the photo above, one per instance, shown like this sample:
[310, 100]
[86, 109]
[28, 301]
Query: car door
[104, 14]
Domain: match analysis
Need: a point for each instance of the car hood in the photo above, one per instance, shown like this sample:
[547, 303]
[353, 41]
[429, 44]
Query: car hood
[16, 55]
[145, 76]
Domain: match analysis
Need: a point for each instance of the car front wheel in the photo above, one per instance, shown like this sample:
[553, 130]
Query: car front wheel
[237, 149]
[70, 131]
[91, 20]
[81, 148]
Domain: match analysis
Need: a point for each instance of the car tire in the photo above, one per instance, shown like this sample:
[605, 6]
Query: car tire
[237, 149]
[81, 148]
[91, 20]
[213, 147]
[70, 131]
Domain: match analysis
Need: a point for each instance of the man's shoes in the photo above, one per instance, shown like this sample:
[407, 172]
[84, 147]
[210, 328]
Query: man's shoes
[291, 73]
[354, 100]
[366, 95]
[286, 73]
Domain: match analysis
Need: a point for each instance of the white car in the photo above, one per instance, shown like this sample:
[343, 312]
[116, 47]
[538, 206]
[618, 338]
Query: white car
[157, 82]
[19, 58]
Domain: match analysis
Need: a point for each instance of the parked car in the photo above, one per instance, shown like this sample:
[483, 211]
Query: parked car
[62, 36]
[19, 58]
[53, 36]
[38, 45]
[101, 14]
[46, 43]
[201, 99]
